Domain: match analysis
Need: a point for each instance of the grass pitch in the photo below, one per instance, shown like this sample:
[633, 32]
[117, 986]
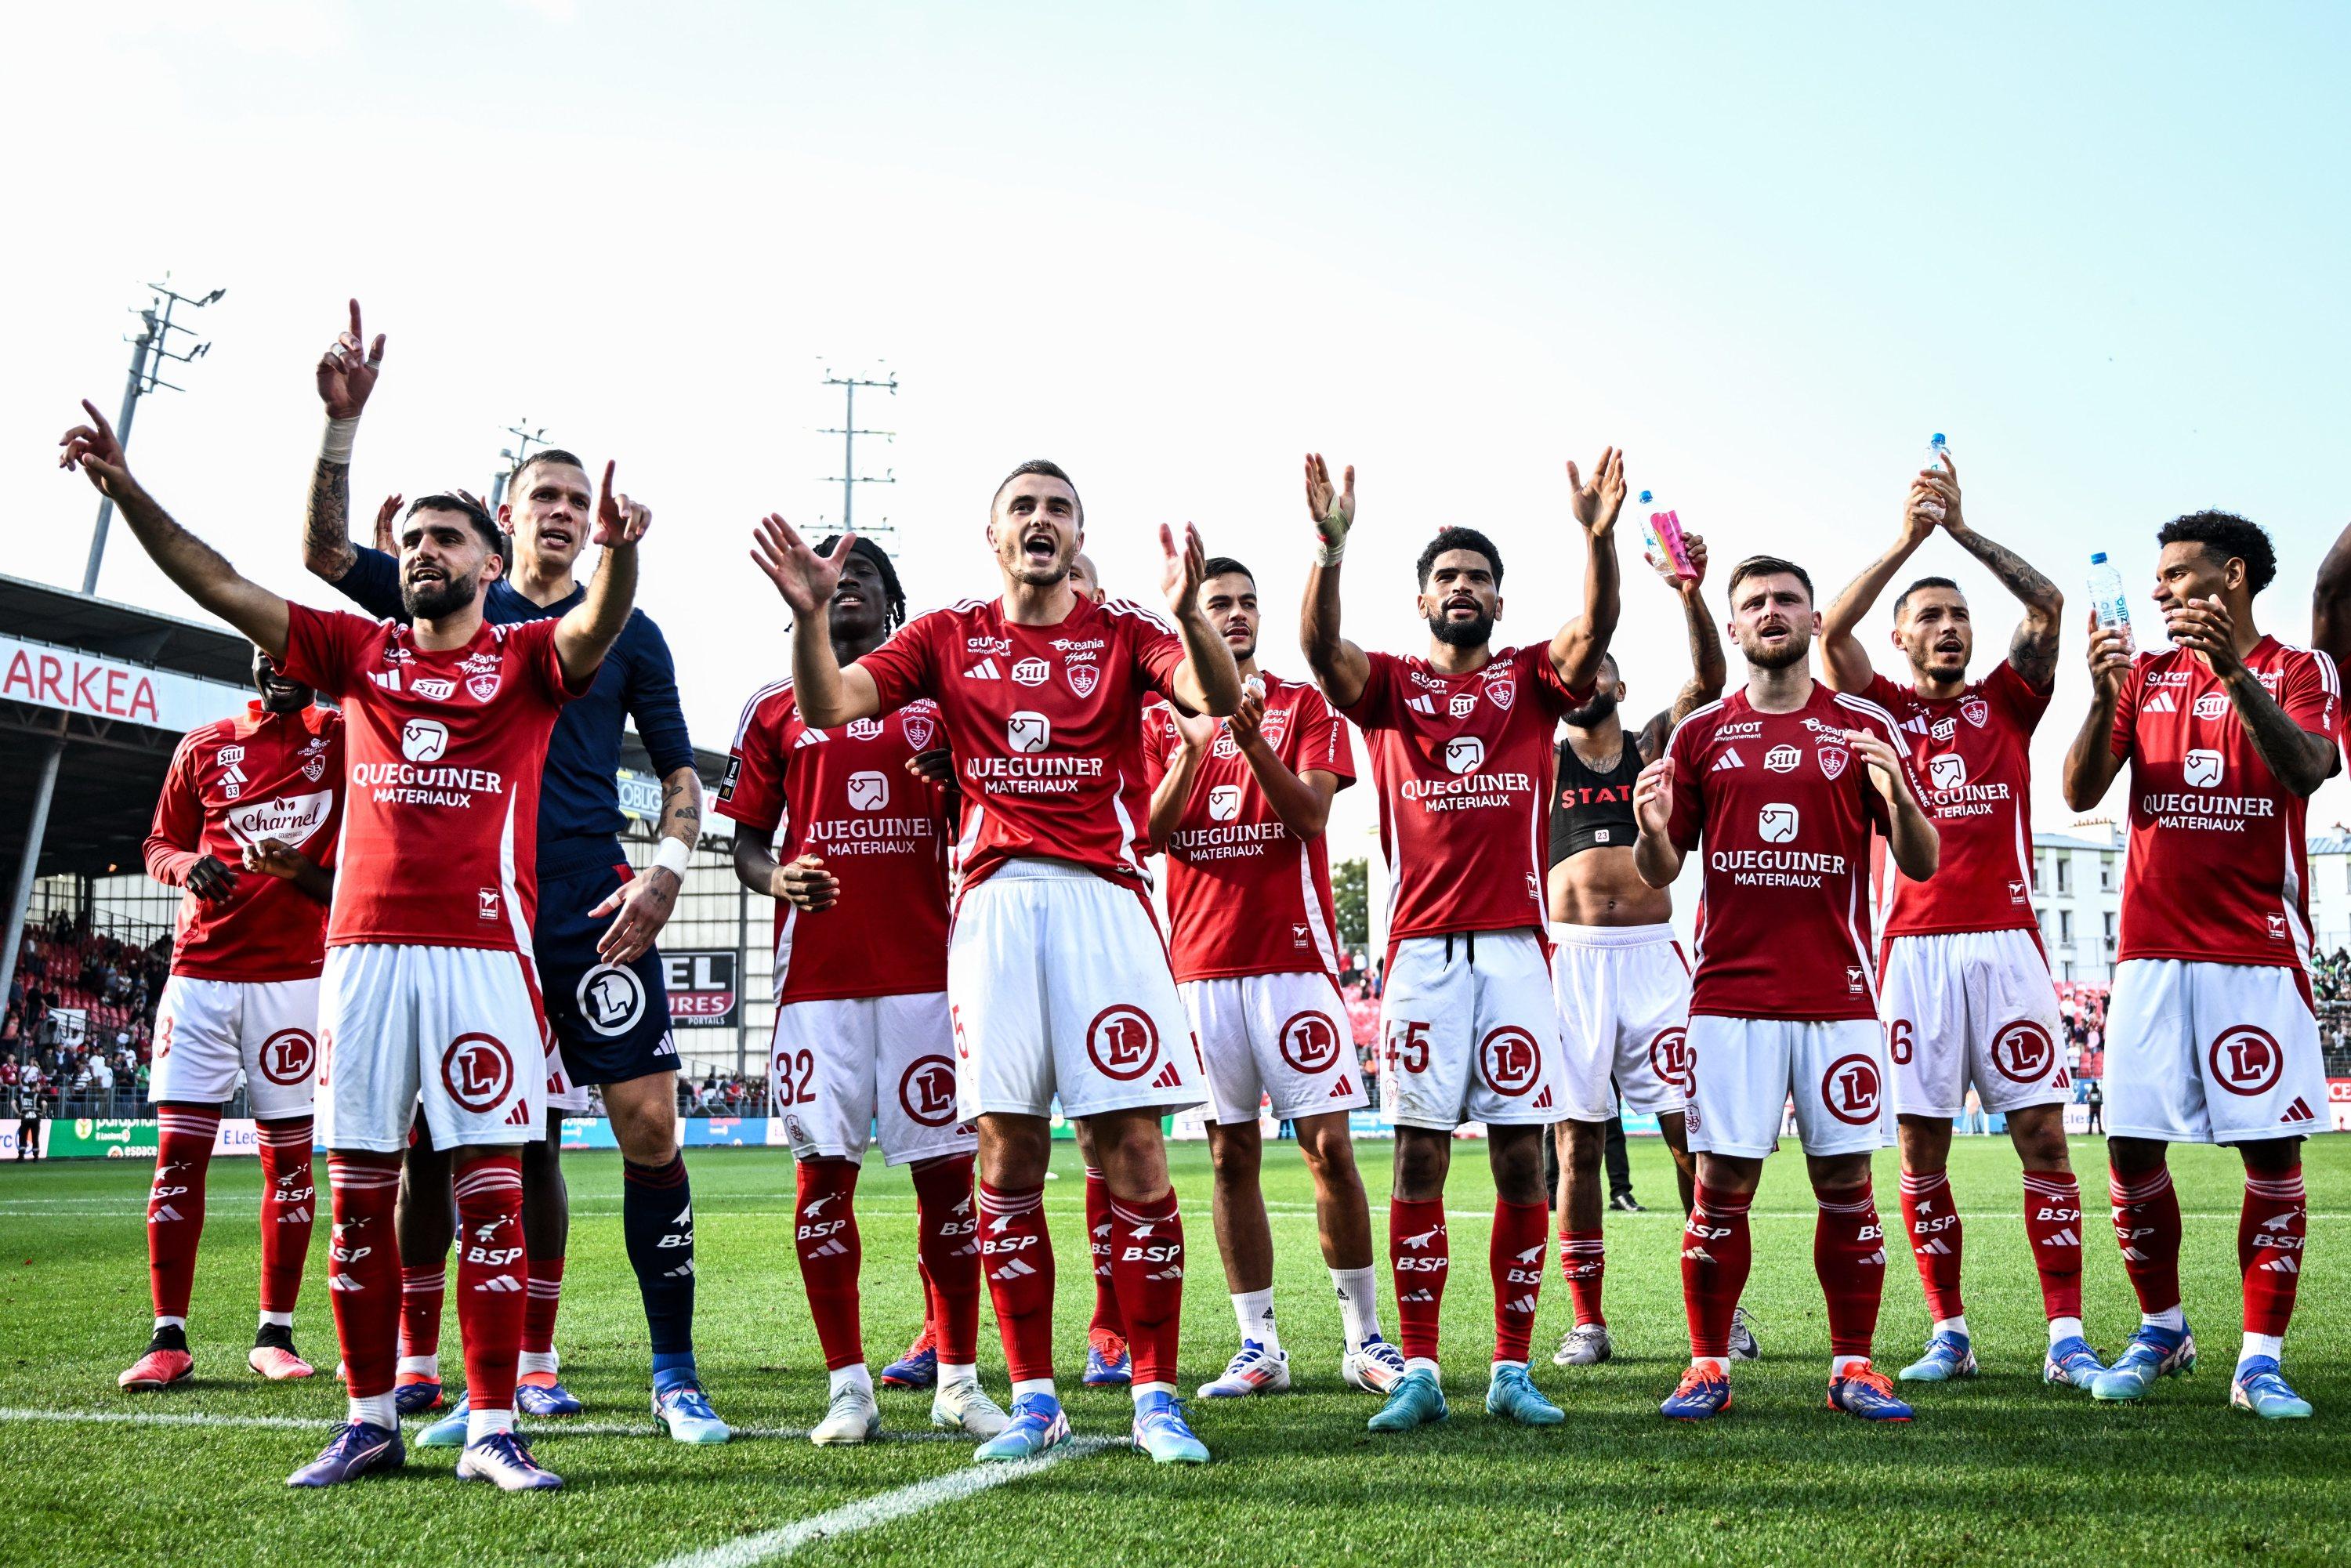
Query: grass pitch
[2002, 1468]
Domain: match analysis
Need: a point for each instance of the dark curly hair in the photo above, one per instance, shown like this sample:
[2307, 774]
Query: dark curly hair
[1459, 538]
[2224, 534]
[893, 598]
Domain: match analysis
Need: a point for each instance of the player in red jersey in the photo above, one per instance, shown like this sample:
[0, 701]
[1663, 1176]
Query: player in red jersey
[2210, 1037]
[1783, 783]
[428, 982]
[246, 823]
[1461, 750]
[1238, 805]
[861, 1027]
[1058, 980]
[1963, 985]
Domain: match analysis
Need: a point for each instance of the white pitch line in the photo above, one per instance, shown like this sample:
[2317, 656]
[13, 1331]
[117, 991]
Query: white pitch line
[884, 1508]
[321, 1424]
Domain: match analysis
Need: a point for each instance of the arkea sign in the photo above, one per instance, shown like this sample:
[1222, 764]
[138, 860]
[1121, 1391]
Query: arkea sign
[99, 687]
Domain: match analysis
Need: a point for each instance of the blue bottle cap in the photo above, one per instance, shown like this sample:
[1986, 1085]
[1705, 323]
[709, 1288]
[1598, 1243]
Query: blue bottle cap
[2099, 558]
[1937, 439]
[1645, 498]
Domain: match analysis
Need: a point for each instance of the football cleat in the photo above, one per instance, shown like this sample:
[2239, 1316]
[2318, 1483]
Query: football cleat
[1513, 1394]
[2152, 1353]
[356, 1449]
[449, 1432]
[274, 1356]
[1949, 1355]
[1867, 1393]
[416, 1393]
[1703, 1393]
[1037, 1423]
[501, 1458]
[547, 1399]
[918, 1368]
[962, 1405]
[685, 1411]
[1743, 1345]
[157, 1369]
[1108, 1365]
[1375, 1366]
[852, 1417]
[1585, 1344]
[2259, 1386]
[1625, 1203]
[1253, 1371]
[2072, 1361]
[1416, 1401]
[1161, 1431]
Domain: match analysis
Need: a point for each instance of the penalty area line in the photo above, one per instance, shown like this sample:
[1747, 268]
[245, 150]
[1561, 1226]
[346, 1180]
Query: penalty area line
[884, 1508]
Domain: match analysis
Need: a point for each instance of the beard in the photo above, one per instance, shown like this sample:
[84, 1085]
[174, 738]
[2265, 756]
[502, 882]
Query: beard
[1792, 652]
[431, 600]
[1596, 711]
[1475, 633]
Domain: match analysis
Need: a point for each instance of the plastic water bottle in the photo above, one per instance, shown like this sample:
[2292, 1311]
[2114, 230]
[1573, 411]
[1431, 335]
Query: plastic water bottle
[2108, 597]
[1661, 533]
[1938, 451]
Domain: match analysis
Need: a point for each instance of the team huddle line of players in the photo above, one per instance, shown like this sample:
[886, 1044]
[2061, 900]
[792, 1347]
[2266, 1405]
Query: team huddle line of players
[414, 915]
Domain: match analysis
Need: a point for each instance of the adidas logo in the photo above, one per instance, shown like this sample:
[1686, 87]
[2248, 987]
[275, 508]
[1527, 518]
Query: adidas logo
[2065, 1238]
[520, 1115]
[1168, 1078]
[2298, 1112]
[1418, 1296]
[1934, 1248]
[1730, 758]
[341, 1283]
[501, 1285]
[1343, 1088]
[1542, 1101]
[1172, 1271]
[683, 1271]
[1697, 1255]
[163, 1216]
[1017, 1269]
[986, 670]
[1525, 1304]
[2282, 1263]
[832, 1248]
[1875, 1261]
[1422, 702]
[2133, 1255]
[295, 1216]
[2162, 703]
[388, 679]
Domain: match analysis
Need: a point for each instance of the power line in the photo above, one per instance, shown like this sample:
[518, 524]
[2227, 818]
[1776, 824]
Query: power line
[152, 345]
[849, 478]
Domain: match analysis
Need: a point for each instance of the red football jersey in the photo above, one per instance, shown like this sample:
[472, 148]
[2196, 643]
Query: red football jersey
[1974, 753]
[2217, 871]
[440, 845]
[1463, 764]
[844, 794]
[1785, 807]
[237, 782]
[1042, 721]
[1245, 894]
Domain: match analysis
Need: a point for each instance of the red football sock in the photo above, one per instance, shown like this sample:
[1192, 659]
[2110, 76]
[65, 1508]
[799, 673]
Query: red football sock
[1148, 1270]
[489, 1252]
[541, 1300]
[175, 1203]
[2053, 1224]
[421, 1291]
[1932, 1218]
[1016, 1253]
[1849, 1255]
[1514, 1256]
[830, 1256]
[287, 1204]
[1419, 1257]
[2147, 1223]
[1717, 1252]
[2270, 1229]
[1583, 1262]
[363, 1267]
[947, 1247]
[1107, 1317]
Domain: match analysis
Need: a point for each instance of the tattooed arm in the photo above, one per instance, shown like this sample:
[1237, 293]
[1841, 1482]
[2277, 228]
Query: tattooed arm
[345, 374]
[2033, 649]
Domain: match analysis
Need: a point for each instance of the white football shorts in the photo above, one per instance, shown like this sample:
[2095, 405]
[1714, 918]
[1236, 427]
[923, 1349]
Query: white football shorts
[207, 1030]
[1277, 1039]
[1972, 1007]
[1624, 995]
[2213, 1053]
[836, 1068]
[459, 1027]
[1470, 1033]
[1745, 1071]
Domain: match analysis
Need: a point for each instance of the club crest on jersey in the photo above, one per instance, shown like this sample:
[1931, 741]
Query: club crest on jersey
[1947, 771]
[434, 688]
[1224, 802]
[2202, 769]
[2211, 704]
[1274, 726]
[1032, 672]
[1464, 754]
[611, 1000]
[1976, 711]
[1082, 678]
[424, 739]
[918, 729]
[1503, 690]
[869, 791]
[314, 769]
[1833, 760]
[865, 729]
[1122, 1042]
[926, 1090]
[1777, 822]
[1509, 1060]
[1027, 733]
[1783, 759]
[1943, 728]
[1462, 705]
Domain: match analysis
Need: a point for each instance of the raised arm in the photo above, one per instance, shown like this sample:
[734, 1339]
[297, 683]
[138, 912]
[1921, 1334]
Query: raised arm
[1302, 800]
[2302, 759]
[2032, 651]
[587, 633]
[1706, 669]
[1910, 835]
[1847, 661]
[1580, 645]
[826, 693]
[2330, 603]
[1173, 790]
[2091, 764]
[346, 376]
[200, 571]
[1340, 667]
[1208, 680]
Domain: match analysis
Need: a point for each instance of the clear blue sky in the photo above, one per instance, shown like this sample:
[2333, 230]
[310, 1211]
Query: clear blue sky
[1765, 249]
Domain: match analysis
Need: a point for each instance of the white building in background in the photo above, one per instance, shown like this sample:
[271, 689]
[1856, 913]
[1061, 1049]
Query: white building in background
[2330, 889]
[2077, 893]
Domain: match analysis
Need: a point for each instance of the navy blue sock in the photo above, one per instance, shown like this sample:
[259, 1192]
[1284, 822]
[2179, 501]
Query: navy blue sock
[657, 1217]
